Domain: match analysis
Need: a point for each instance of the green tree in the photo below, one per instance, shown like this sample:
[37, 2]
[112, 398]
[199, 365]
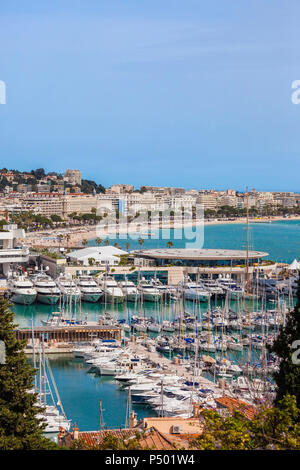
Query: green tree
[84, 242]
[169, 244]
[20, 429]
[288, 377]
[60, 237]
[127, 246]
[98, 240]
[68, 238]
[141, 242]
[106, 243]
[274, 428]
[56, 218]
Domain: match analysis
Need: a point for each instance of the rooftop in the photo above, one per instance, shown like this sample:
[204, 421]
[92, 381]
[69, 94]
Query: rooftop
[200, 254]
[234, 404]
[150, 439]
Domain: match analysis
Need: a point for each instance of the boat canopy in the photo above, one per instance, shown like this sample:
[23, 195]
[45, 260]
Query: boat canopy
[294, 266]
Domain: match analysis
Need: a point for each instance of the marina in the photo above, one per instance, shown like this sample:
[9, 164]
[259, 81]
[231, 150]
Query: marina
[203, 330]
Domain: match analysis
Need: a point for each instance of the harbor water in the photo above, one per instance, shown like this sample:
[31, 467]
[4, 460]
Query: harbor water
[81, 391]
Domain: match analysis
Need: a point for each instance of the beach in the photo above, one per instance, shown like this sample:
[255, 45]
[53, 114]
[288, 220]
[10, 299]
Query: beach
[73, 236]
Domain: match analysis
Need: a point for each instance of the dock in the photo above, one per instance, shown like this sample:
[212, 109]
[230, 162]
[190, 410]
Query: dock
[69, 334]
[170, 367]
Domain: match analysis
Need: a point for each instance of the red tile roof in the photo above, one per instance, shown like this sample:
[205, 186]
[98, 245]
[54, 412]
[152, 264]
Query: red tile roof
[152, 439]
[232, 404]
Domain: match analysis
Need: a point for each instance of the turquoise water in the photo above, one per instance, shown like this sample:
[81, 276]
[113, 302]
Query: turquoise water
[81, 391]
[280, 239]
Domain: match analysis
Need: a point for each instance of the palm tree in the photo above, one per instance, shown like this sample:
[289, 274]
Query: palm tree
[98, 241]
[106, 243]
[169, 244]
[68, 237]
[60, 239]
[127, 246]
[141, 242]
[84, 242]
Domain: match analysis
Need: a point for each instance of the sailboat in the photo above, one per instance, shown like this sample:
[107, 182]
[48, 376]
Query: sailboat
[53, 415]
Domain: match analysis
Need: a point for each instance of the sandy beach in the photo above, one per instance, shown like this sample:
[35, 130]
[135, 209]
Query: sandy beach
[73, 236]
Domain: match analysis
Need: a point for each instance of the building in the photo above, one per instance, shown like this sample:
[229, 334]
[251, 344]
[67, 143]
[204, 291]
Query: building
[48, 204]
[209, 201]
[121, 188]
[11, 251]
[227, 405]
[149, 439]
[45, 204]
[103, 255]
[197, 257]
[78, 202]
[73, 177]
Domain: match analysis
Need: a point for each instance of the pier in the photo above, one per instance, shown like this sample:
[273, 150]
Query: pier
[69, 334]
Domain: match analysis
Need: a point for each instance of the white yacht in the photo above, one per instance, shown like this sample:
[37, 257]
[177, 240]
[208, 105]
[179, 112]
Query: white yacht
[68, 289]
[21, 290]
[47, 290]
[112, 292]
[120, 366]
[162, 288]
[230, 286]
[129, 290]
[148, 291]
[90, 291]
[213, 287]
[195, 291]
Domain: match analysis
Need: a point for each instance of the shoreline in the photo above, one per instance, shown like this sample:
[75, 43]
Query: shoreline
[48, 238]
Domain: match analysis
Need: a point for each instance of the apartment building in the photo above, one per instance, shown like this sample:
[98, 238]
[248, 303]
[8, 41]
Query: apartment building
[48, 204]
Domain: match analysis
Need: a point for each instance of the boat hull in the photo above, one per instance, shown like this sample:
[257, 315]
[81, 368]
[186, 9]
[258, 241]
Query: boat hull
[48, 299]
[23, 299]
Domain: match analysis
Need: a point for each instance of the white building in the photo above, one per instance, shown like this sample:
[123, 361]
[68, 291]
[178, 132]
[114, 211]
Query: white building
[104, 255]
[10, 250]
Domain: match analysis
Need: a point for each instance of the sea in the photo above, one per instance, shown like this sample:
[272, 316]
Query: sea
[81, 391]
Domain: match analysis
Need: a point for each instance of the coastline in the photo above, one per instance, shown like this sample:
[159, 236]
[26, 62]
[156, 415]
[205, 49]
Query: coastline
[48, 238]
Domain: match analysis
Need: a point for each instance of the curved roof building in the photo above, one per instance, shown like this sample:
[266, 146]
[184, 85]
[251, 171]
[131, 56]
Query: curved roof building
[199, 257]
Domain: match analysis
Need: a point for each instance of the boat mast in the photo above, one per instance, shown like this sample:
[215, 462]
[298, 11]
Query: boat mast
[247, 261]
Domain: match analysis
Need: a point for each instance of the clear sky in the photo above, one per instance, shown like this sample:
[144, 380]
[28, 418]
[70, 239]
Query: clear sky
[191, 93]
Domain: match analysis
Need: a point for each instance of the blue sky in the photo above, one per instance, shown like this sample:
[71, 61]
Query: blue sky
[164, 92]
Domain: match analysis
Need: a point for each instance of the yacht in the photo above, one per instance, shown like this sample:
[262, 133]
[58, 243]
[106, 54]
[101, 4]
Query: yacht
[228, 285]
[120, 366]
[129, 290]
[112, 292]
[47, 291]
[21, 289]
[90, 291]
[162, 288]
[213, 287]
[148, 291]
[195, 291]
[68, 289]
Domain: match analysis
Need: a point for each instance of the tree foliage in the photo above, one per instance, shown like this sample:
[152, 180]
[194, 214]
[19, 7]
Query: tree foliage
[20, 429]
[288, 377]
[274, 428]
